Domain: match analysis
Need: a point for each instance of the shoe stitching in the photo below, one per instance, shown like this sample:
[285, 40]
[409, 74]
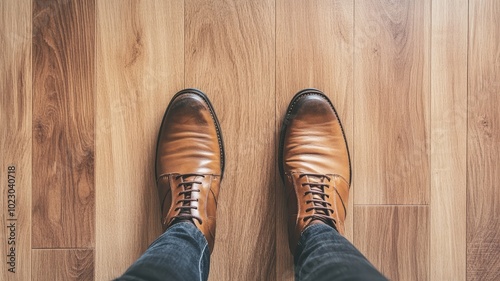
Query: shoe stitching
[304, 172]
[341, 199]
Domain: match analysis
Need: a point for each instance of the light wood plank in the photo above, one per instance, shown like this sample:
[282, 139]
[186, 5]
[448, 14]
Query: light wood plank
[395, 239]
[63, 124]
[230, 56]
[140, 53]
[15, 143]
[391, 118]
[483, 194]
[448, 140]
[314, 49]
[63, 265]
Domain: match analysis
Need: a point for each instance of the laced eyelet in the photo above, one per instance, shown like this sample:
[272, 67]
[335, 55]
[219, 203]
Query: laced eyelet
[318, 205]
[184, 209]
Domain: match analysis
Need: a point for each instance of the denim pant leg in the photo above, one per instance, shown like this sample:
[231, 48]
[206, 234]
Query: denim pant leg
[181, 253]
[324, 254]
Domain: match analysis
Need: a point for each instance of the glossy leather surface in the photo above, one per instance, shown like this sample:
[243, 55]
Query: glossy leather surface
[314, 164]
[190, 162]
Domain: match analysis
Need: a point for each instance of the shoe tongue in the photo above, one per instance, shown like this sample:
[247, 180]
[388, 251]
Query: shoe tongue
[187, 187]
[319, 179]
[316, 179]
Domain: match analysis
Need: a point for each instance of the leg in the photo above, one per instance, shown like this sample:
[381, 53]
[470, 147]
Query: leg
[324, 254]
[181, 253]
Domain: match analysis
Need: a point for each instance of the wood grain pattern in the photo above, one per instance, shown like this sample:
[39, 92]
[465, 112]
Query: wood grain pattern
[15, 132]
[483, 195]
[395, 239]
[140, 67]
[63, 124]
[63, 265]
[230, 56]
[449, 140]
[314, 48]
[391, 118]
[416, 84]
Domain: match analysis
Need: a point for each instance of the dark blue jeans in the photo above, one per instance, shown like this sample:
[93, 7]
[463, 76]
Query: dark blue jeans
[181, 253]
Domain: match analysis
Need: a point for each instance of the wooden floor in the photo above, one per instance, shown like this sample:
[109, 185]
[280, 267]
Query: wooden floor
[84, 84]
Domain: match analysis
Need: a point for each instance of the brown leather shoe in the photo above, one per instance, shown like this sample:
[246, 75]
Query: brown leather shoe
[314, 164]
[190, 162]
